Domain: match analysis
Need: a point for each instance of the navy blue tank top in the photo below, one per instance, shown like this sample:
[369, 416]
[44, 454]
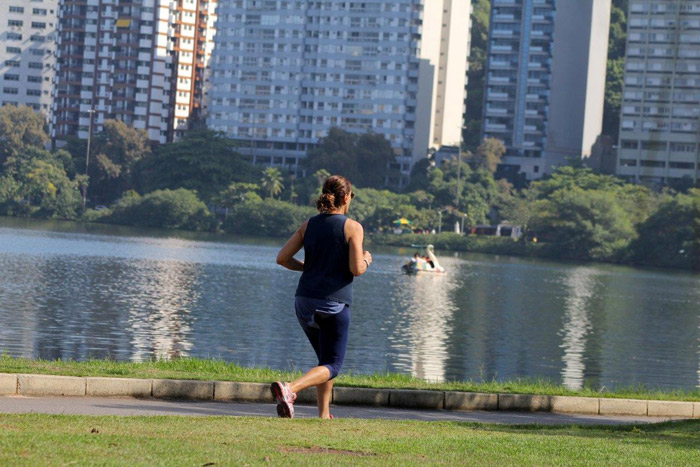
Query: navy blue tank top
[326, 260]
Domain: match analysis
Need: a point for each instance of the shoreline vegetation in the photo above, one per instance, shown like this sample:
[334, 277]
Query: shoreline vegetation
[200, 183]
[219, 370]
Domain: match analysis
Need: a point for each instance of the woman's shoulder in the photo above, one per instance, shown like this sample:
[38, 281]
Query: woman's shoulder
[353, 225]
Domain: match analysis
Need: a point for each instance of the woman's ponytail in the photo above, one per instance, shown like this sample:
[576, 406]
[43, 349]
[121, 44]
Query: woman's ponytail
[333, 193]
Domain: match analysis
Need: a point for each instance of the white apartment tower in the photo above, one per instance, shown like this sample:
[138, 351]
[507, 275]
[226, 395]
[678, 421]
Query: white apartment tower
[27, 43]
[141, 62]
[285, 72]
[660, 118]
[545, 83]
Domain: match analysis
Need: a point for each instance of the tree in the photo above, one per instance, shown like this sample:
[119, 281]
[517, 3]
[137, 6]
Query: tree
[671, 235]
[237, 192]
[321, 175]
[269, 217]
[271, 182]
[613, 97]
[567, 177]
[477, 69]
[488, 155]
[363, 159]
[114, 152]
[20, 127]
[615, 68]
[203, 160]
[583, 224]
[35, 183]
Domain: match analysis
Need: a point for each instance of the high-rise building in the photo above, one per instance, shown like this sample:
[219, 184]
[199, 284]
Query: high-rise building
[27, 43]
[139, 62]
[545, 82]
[285, 72]
[660, 116]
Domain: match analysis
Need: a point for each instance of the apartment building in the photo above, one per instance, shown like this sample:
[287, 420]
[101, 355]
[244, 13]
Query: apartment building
[27, 42]
[139, 62]
[660, 116]
[545, 83]
[285, 72]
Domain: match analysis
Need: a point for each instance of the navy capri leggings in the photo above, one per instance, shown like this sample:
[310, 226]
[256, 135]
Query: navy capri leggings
[326, 326]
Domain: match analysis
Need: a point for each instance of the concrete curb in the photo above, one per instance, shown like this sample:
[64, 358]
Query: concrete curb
[49, 385]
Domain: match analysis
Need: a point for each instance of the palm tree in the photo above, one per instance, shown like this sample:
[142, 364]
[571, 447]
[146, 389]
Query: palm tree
[271, 181]
[321, 175]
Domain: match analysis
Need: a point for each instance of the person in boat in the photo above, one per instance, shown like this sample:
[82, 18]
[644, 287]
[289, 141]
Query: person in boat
[333, 256]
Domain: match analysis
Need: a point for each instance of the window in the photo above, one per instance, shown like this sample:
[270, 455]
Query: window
[37, 38]
[16, 9]
[9, 77]
[15, 22]
[35, 65]
[628, 163]
[34, 79]
[13, 36]
[683, 147]
[34, 92]
[629, 144]
[681, 165]
[655, 164]
[39, 11]
[38, 52]
[13, 50]
[10, 90]
[38, 25]
[12, 63]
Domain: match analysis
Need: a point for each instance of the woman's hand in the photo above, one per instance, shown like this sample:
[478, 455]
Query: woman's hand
[367, 256]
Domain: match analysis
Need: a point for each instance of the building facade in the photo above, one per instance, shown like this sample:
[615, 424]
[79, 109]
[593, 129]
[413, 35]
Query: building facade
[660, 116]
[285, 72]
[27, 43]
[138, 62]
[545, 82]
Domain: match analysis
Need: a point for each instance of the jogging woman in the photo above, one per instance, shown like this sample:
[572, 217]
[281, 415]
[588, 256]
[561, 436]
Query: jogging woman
[333, 256]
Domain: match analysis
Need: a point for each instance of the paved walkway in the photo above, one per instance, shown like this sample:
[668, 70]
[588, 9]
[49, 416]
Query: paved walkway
[128, 406]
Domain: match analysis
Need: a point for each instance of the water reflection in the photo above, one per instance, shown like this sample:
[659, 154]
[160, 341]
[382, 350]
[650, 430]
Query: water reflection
[160, 303]
[426, 306]
[580, 282]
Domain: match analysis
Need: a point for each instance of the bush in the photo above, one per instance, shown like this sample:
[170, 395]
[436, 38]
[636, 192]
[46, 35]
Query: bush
[455, 242]
[269, 217]
[169, 209]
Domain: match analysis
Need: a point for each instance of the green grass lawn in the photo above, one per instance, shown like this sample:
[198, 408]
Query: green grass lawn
[32, 439]
[222, 371]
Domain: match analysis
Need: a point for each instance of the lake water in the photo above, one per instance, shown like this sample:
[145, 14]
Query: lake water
[76, 292]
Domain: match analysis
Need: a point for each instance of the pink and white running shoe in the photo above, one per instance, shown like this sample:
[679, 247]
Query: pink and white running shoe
[285, 399]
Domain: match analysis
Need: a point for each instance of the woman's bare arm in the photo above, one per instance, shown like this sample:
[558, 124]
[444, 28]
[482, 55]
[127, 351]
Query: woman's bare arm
[359, 260]
[286, 255]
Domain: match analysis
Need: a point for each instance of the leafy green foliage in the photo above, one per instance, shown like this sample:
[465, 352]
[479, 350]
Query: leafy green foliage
[203, 160]
[671, 235]
[583, 224]
[488, 155]
[20, 127]
[34, 183]
[271, 182]
[269, 217]
[615, 68]
[477, 69]
[113, 154]
[169, 209]
[362, 158]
